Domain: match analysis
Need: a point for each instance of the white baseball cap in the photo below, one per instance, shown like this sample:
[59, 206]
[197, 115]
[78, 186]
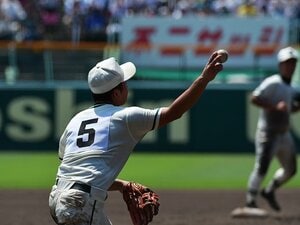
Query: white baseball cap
[286, 54]
[107, 74]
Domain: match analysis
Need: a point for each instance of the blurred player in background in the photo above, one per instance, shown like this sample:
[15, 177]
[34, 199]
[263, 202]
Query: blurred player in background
[97, 142]
[276, 98]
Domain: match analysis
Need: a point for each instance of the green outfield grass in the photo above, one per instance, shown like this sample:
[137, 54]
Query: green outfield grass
[160, 171]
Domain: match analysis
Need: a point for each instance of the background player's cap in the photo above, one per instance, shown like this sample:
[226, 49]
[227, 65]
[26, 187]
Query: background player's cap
[286, 54]
[107, 74]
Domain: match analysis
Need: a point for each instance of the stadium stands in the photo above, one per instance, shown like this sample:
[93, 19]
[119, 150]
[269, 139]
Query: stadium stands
[67, 23]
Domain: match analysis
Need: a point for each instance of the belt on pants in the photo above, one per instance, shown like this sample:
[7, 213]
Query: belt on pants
[82, 187]
[79, 186]
[94, 192]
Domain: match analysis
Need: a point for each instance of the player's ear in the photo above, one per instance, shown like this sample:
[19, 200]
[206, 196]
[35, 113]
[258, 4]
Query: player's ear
[118, 92]
[115, 93]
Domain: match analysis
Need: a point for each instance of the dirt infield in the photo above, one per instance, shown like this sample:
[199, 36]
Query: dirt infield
[30, 207]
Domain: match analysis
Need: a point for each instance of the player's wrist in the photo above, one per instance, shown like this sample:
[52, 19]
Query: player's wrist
[123, 185]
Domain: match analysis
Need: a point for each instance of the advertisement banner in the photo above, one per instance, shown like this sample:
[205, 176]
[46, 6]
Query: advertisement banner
[222, 121]
[187, 42]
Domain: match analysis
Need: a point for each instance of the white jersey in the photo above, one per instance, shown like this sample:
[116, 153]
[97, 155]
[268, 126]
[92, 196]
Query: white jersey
[274, 89]
[97, 142]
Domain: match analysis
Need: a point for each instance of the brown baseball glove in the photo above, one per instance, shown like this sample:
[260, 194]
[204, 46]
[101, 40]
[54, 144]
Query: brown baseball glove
[142, 203]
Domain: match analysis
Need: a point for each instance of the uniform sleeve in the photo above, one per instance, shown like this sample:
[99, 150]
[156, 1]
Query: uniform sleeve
[265, 89]
[62, 145]
[140, 121]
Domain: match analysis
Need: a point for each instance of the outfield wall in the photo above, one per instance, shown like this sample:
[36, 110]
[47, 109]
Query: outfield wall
[222, 121]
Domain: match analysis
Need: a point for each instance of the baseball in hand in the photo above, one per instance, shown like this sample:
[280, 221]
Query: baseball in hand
[224, 55]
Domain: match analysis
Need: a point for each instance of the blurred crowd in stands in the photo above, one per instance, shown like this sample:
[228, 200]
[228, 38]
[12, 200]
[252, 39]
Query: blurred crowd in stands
[93, 20]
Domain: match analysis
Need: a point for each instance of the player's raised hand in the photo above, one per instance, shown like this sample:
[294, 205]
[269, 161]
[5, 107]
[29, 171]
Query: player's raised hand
[213, 66]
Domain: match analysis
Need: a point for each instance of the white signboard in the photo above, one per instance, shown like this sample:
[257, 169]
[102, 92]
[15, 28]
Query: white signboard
[187, 42]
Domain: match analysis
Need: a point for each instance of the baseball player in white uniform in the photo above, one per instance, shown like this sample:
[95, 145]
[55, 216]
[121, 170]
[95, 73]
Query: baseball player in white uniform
[273, 138]
[97, 141]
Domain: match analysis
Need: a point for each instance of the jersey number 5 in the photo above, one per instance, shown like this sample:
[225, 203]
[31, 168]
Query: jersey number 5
[89, 131]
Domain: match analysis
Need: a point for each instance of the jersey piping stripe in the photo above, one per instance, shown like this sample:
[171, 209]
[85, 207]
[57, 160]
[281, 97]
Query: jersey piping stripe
[154, 121]
[91, 220]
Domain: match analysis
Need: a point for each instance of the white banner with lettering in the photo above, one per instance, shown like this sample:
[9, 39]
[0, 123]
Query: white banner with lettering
[187, 42]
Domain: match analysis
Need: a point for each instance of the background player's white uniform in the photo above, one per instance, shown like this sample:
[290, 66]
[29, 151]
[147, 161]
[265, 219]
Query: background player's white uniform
[273, 137]
[94, 148]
